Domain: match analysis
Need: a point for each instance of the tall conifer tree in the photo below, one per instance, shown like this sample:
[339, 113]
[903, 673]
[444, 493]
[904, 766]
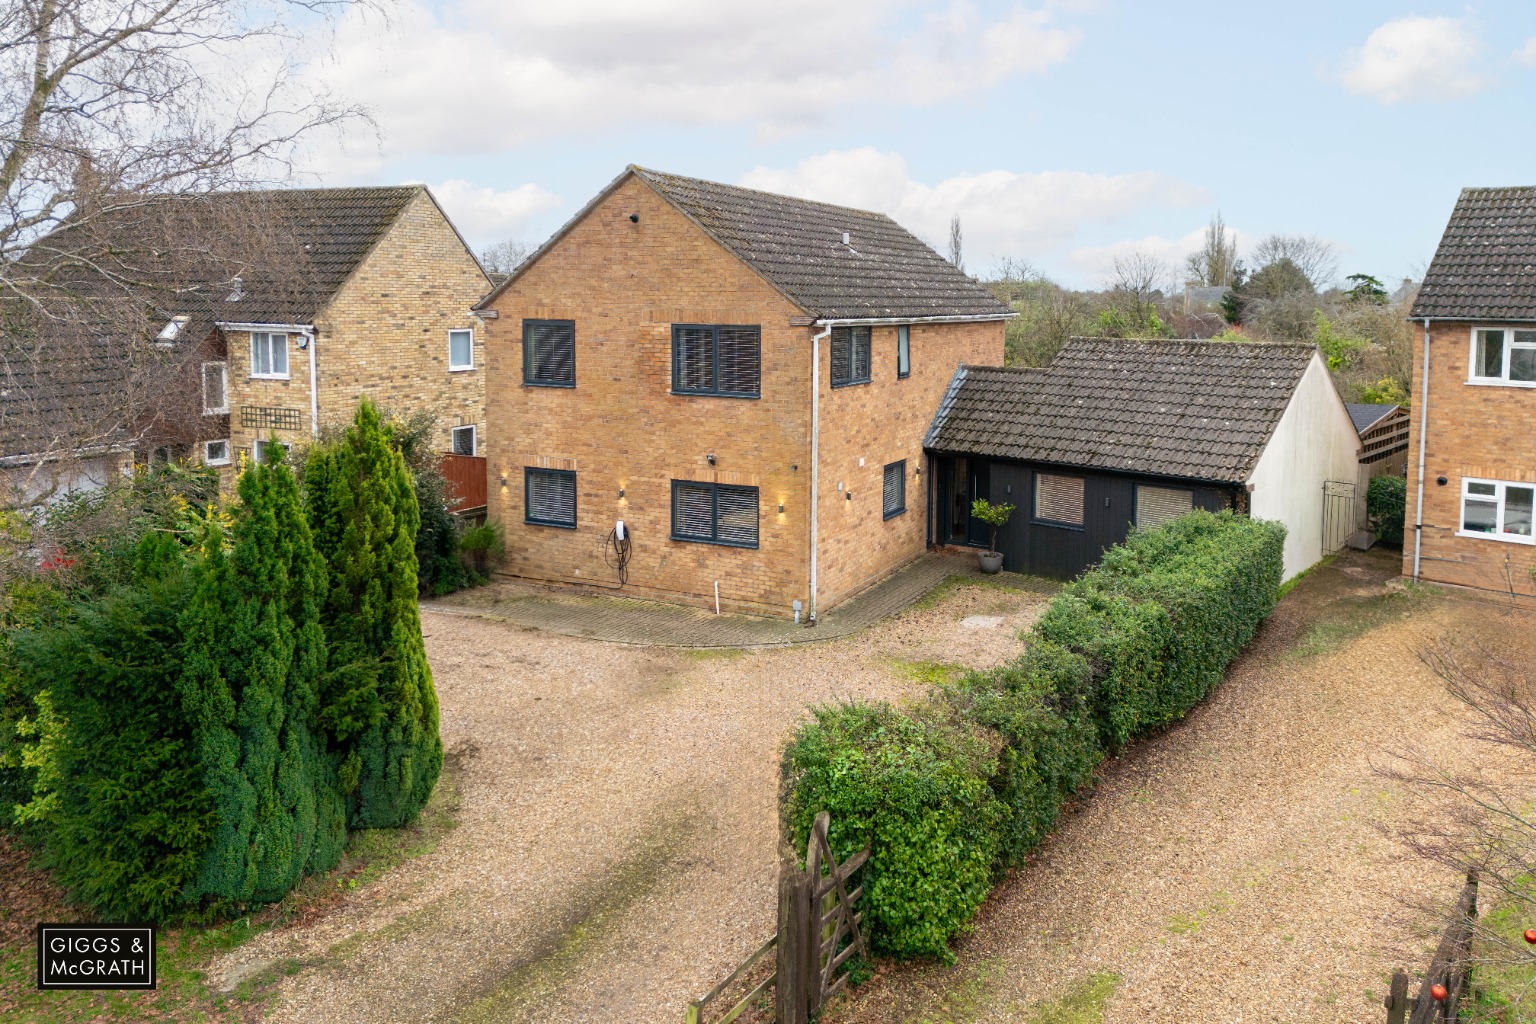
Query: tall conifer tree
[378, 704]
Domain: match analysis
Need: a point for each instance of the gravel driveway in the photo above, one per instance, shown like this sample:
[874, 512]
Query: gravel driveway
[615, 850]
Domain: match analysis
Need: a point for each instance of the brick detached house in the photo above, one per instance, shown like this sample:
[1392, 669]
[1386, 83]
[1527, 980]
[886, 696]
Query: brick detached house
[1116, 434]
[345, 293]
[1471, 448]
[743, 379]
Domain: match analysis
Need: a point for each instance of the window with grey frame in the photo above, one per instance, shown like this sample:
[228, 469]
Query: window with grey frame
[1059, 499]
[549, 353]
[903, 352]
[549, 497]
[893, 500]
[717, 359]
[710, 513]
[850, 356]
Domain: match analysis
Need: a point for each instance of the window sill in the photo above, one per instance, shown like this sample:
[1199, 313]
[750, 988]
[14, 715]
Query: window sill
[1493, 382]
[715, 394]
[216, 412]
[543, 522]
[546, 384]
[1076, 527]
[1506, 538]
[271, 376]
[216, 462]
[852, 383]
[903, 376]
[896, 512]
[716, 543]
[460, 369]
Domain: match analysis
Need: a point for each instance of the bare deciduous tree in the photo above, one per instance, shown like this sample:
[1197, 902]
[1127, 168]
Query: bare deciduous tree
[1314, 257]
[505, 257]
[956, 250]
[1215, 261]
[108, 113]
[1010, 276]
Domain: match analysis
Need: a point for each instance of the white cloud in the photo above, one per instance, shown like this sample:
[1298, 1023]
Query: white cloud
[1096, 263]
[486, 215]
[1527, 54]
[1002, 213]
[481, 76]
[1415, 58]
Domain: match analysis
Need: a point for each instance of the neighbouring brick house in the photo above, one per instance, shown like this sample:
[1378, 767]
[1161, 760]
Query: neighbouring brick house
[743, 378]
[1471, 448]
[348, 292]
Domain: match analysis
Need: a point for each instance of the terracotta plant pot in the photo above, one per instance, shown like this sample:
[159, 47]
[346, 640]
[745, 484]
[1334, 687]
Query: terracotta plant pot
[991, 561]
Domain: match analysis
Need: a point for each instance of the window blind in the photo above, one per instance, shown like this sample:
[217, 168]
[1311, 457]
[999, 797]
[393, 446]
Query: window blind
[464, 440]
[894, 496]
[1059, 499]
[850, 355]
[1157, 505]
[739, 358]
[549, 352]
[709, 359]
[551, 497]
[736, 515]
[715, 513]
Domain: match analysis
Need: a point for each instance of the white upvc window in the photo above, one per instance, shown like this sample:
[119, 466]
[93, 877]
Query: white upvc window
[215, 389]
[269, 355]
[261, 450]
[463, 439]
[1503, 355]
[1497, 510]
[216, 453]
[461, 349]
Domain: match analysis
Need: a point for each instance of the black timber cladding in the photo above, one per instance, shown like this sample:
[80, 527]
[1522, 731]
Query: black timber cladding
[1193, 410]
[1485, 266]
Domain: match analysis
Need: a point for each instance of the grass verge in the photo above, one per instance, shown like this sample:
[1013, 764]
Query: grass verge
[1504, 970]
[1351, 617]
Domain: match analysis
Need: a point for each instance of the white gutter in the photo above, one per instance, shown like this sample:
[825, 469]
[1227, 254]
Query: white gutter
[816, 450]
[963, 318]
[1418, 515]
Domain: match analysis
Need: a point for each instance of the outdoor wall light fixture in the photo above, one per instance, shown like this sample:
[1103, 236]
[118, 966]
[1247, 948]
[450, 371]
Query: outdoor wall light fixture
[849, 495]
[711, 458]
[781, 508]
[503, 481]
[621, 492]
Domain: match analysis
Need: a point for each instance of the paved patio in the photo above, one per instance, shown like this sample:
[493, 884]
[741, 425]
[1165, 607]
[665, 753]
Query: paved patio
[652, 623]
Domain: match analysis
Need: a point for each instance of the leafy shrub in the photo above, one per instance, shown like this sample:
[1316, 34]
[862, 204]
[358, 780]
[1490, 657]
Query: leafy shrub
[484, 546]
[915, 788]
[1386, 503]
[964, 785]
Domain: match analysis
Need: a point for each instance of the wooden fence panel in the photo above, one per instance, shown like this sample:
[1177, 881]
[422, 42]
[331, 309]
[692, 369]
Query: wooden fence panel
[465, 476]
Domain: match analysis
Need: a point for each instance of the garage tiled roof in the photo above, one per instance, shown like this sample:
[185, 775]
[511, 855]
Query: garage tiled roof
[1485, 268]
[1201, 410]
[883, 270]
[1365, 416]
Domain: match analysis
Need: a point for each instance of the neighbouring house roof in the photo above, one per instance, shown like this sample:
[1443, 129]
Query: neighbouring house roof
[1367, 416]
[1201, 410]
[882, 272]
[1485, 267]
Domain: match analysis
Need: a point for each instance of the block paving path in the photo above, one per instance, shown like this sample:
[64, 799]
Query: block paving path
[654, 624]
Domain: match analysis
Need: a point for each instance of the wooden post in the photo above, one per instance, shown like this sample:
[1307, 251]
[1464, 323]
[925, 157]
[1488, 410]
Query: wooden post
[1397, 999]
[791, 998]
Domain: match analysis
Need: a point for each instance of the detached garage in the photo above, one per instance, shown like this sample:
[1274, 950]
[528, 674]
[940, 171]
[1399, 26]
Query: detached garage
[1115, 434]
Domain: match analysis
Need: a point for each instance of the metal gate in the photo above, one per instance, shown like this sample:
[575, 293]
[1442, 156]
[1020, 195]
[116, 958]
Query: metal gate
[1338, 514]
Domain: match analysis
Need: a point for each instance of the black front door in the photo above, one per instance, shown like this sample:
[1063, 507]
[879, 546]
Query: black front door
[978, 480]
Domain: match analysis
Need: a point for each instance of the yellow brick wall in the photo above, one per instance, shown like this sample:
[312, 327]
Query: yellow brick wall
[383, 335]
[879, 423]
[625, 284]
[1474, 430]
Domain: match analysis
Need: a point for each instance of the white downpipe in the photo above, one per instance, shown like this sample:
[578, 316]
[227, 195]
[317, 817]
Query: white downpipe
[1418, 515]
[815, 452]
[314, 385]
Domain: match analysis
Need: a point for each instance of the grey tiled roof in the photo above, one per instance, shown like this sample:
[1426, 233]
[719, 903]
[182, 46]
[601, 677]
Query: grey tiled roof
[1485, 267]
[883, 271]
[1201, 410]
[1367, 416]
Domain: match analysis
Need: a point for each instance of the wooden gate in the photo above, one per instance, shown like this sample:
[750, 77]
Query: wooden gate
[1338, 514]
[820, 928]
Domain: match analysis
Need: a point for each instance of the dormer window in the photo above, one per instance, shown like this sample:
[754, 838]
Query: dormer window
[1503, 355]
[269, 355]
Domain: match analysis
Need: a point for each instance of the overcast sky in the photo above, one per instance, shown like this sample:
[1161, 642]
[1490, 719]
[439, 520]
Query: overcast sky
[1059, 132]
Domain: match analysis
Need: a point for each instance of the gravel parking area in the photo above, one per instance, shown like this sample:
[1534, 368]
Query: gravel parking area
[615, 853]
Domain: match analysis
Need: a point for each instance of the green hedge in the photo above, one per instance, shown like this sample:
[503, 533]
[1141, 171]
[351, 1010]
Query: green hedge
[958, 788]
[1386, 502]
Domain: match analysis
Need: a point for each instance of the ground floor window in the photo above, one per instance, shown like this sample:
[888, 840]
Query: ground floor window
[1493, 508]
[261, 451]
[894, 499]
[549, 497]
[1059, 499]
[714, 513]
[1157, 505]
[216, 453]
[464, 440]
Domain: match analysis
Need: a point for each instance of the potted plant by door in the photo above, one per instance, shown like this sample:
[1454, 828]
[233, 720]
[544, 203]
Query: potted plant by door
[994, 516]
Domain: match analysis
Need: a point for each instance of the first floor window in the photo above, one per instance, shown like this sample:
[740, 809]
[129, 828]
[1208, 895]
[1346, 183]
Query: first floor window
[549, 497]
[894, 496]
[269, 354]
[710, 359]
[903, 352]
[464, 440]
[215, 389]
[216, 453]
[1059, 499]
[1157, 505]
[549, 353]
[261, 451]
[714, 513]
[1503, 354]
[1493, 508]
[850, 356]
[461, 350]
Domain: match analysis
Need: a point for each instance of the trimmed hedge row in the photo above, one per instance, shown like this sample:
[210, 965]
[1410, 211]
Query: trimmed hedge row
[953, 791]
